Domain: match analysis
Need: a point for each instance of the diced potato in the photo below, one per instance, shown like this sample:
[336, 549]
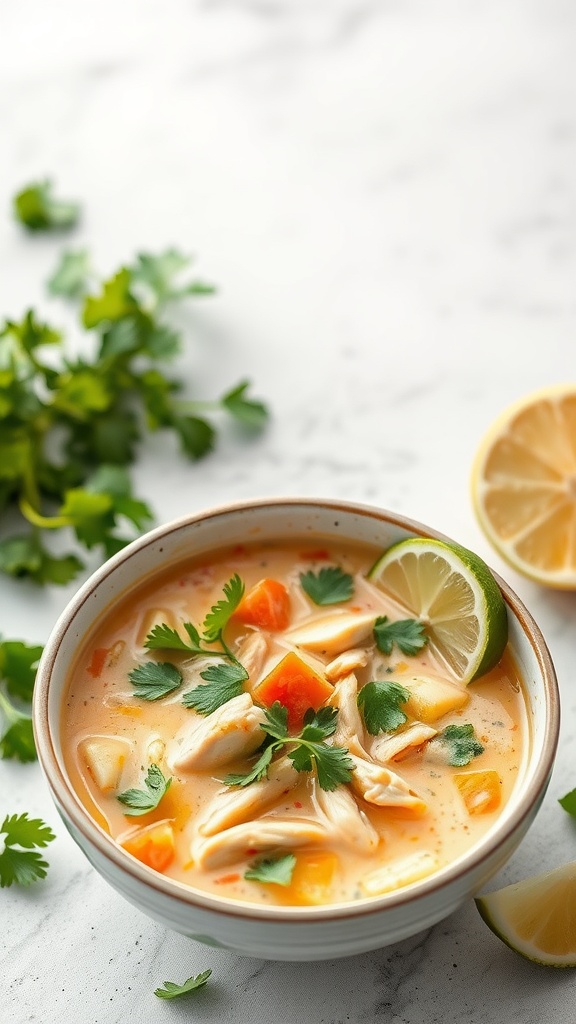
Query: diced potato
[104, 757]
[432, 698]
[399, 872]
[480, 791]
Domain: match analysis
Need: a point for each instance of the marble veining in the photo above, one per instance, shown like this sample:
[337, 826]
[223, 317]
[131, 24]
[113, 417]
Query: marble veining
[384, 193]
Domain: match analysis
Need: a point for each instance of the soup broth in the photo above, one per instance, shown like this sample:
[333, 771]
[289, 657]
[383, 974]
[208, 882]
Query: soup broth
[418, 765]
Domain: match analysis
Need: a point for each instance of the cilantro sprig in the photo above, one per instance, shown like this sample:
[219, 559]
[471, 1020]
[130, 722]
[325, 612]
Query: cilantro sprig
[140, 801]
[379, 702]
[221, 682]
[72, 414]
[20, 862]
[18, 664]
[308, 750]
[407, 634]
[331, 585]
[170, 990]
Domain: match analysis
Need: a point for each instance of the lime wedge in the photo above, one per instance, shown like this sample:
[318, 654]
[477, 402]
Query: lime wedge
[452, 591]
[536, 917]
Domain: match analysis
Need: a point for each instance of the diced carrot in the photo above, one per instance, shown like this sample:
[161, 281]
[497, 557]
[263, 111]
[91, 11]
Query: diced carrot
[152, 845]
[227, 879]
[318, 555]
[266, 604]
[312, 879]
[98, 661]
[296, 685]
[480, 791]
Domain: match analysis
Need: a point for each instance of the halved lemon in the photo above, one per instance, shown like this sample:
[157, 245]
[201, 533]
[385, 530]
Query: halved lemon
[524, 486]
[452, 591]
[536, 917]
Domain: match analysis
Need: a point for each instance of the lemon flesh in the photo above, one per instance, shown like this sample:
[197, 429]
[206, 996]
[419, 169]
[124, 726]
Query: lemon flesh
[524, 486]
[537, 916]
[452, 591]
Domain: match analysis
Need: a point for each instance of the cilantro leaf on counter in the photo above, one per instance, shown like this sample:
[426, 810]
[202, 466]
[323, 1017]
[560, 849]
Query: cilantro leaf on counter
[140, 801]
[407, 634]
[172, 991]
[18, 664]
[160, 277]
[272, 870]
[379, 702]
[19, 861]
[71, 276]
[568, 802]
[331, 585]
[37, 209]
[155, 679]
[460, 743]
[245, 410]
[308, 750]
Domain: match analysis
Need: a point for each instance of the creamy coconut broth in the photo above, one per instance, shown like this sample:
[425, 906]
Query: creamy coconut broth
[405, 811]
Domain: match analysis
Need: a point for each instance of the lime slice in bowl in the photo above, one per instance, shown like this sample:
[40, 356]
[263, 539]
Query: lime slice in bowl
[452, 591]
[537, 916]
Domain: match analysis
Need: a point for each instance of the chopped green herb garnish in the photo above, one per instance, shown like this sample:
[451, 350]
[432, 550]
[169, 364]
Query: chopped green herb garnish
[379, 703]
[223, 683]
[308, 750]
[19, 861]
[155, 679]
[331, 585]
[460, 743]
[407, 634]
[172, 991]
[140, 801]
[272, 870]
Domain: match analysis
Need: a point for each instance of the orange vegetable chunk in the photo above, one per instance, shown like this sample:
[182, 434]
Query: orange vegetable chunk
[266, 604]
[480, 791]
[296, 685]
[152, 845]
[312, 879]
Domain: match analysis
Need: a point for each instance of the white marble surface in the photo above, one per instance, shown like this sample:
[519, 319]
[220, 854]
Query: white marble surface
[384, 191]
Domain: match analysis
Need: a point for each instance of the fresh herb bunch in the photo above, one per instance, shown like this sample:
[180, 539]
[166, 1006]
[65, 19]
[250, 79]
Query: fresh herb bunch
[70, 423]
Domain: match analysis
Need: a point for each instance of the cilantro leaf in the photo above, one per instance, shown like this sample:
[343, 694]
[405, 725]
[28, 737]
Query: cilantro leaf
[568, 802]
[246, 410]
[24, 556]
[308, 750]
[114, 303]
[220, 613]
[460, 743]
[19, 862]
[272, 870]
[331, 585]
[163, 637]
[379, 703]
[18, 664]
[223, 683]
[37, 209]
[140, 801]
[172, 991]
[71, 276]
[155, 679]
[407, 634]
[196, 435]
[159, 276]
[17, 741]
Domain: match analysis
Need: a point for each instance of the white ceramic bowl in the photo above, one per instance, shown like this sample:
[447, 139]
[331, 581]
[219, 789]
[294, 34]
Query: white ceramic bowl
[286, 933]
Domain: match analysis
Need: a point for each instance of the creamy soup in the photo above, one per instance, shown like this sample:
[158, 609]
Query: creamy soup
[267, 725]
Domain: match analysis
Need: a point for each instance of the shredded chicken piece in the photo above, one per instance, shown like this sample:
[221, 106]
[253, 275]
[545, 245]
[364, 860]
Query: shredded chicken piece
[252, 655]
[349, 729]
[348, 661]
[257, 837]
[381, 786]
[395, 746]
[230, 732]
[332, 634]
[232, 806]
[348, 824]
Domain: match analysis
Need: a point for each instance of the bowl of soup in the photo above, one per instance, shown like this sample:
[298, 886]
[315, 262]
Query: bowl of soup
[252, 742]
